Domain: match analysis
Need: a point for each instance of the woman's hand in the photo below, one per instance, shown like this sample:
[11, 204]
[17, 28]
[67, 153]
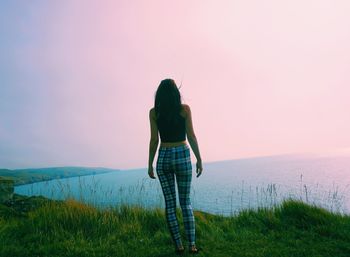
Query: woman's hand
[199, 168]
[151, 173]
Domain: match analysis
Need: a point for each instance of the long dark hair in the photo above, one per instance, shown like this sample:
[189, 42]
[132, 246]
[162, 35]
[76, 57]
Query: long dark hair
[167, 103]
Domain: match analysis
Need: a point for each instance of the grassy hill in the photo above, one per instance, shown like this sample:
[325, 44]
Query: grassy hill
[70, 228]
[27, 176]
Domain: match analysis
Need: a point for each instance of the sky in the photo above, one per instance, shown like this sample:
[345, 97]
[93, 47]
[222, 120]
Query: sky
[77, 78]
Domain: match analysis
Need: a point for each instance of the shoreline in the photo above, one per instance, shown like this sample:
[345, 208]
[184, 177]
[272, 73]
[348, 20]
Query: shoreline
[30, 176]
[50, 179]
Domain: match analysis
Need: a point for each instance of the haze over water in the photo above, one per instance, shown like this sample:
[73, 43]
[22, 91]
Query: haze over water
[224, 187]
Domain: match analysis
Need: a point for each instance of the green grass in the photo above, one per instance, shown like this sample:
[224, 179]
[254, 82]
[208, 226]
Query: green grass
[71, 228]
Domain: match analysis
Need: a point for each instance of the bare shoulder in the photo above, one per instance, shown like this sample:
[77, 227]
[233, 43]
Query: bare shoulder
[152, 112]
[185, 106]
[184, 110]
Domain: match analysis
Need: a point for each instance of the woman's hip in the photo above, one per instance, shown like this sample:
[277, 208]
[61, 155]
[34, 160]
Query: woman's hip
[177, 157]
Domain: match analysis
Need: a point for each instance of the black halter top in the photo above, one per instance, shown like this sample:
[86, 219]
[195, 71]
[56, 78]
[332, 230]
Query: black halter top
[172, 131]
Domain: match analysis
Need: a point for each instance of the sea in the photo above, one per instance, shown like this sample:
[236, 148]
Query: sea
[224, 188]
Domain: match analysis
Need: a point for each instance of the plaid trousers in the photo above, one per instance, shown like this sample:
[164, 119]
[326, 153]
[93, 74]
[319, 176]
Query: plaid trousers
[176, 162]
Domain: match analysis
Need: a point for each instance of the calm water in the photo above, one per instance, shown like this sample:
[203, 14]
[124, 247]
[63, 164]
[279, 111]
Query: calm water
[224, 187]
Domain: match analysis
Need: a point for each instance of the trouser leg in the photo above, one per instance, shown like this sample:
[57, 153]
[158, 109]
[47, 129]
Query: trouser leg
[184, 178]
[167, 181]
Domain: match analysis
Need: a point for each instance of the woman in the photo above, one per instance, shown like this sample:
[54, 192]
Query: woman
[173, 122]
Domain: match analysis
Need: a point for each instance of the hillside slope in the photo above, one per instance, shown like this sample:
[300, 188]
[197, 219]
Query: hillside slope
[27, 176]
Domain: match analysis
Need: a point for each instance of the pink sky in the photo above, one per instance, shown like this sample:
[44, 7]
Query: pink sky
[262, 78]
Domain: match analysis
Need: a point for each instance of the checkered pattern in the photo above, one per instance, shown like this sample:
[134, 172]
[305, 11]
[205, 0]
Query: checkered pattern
[176, 162]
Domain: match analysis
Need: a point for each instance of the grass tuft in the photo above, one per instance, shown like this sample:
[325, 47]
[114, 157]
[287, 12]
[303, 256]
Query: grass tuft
[71, 228]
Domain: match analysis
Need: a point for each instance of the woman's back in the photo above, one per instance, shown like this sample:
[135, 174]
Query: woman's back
[172, 130]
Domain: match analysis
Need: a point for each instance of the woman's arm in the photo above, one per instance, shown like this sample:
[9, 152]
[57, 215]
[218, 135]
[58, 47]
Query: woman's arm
[193, 140]
[153, 144]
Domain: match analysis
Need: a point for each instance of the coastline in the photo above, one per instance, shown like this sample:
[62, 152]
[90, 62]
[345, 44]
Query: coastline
[29, 176]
